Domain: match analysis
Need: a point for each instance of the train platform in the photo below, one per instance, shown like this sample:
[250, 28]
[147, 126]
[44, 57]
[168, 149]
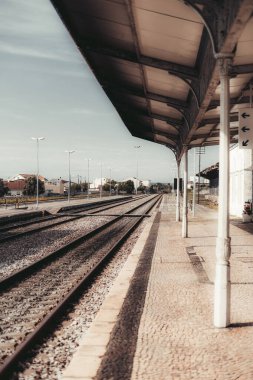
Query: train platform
[157, 320]
[51, 207]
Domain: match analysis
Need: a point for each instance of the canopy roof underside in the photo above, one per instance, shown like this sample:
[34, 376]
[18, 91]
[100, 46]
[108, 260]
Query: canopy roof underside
[155, 61]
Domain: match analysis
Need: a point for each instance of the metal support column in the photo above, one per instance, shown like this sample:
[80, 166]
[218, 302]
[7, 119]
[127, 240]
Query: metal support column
[178, 193]
[199, 178]
[194, 184]
[185, 200]
[222, 279]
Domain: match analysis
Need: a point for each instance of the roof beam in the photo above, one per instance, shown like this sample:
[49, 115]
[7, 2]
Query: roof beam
[233, 140]
[233, 101]
[170, 136]
[216, 120]
[242, 69]
[139, 112]
[152, 96]
[167, 119]
[172, 68]
[140, 130]
[127, 113]
[213, 134]
[128, 4]
[209, 75]
[233, 117]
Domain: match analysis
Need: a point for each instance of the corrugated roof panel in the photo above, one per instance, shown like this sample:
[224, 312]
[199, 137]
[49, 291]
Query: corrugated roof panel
[163, 109]
[163, 126]
[171, 38]
[244, 49]
[127, 73]
[164, 140]
[161, 82]
[169, 8]
[101, 9]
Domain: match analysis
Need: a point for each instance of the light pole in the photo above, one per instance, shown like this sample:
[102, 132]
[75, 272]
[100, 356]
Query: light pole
[101, 179]
[110, 192]
[69, 153]
[88, 178]
[37, 139]
[137, 168]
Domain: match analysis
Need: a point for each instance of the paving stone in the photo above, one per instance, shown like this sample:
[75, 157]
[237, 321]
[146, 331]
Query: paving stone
[176, 337]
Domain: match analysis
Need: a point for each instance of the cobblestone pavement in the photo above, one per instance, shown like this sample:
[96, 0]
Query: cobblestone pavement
[176, 339]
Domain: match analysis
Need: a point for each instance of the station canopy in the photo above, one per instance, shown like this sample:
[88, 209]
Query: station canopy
[156, 61]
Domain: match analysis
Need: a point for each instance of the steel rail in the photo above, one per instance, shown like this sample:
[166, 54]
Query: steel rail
[107, 207]
[25, 223]
[57, 223]
[94, 205]
[48, 323]
[85, 207]
[36, 265]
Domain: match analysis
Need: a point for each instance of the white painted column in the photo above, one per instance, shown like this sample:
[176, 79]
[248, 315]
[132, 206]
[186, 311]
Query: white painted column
[178, 193]
[185, 199]
[194, 184]
[222, 280]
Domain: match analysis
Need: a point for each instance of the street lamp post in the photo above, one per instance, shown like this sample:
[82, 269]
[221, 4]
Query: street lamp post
[110, 183]
[88, 178]
[137, 166]
[101, 180]
[37, 139]
[69, 153]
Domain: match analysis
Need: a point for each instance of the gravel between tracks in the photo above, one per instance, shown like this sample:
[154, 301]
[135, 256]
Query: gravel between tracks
[22, 252]
[55, 354]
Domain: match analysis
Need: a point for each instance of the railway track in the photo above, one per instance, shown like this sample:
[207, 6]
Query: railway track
[42, 291]
[16, 230]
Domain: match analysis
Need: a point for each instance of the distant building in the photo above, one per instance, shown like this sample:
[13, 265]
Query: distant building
[97, 183]
[16, 184]
[138, 182]
[56, 186]
[15, 187]
[212, 175]
[240, 179]
[23, 177]
[146, 182]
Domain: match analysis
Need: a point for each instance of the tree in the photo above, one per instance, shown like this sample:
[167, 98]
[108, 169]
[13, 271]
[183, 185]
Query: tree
[3, 189]
[84, 186]
[75, 188]
[129, 186]
[31, 186]
[142, 188]
[106, 186]
[153, 189]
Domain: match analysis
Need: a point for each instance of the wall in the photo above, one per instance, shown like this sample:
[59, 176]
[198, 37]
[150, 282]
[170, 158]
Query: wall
[56, 188]
[240, 179]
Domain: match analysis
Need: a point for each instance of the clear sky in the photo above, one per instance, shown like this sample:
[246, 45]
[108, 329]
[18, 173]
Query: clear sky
[47, 89]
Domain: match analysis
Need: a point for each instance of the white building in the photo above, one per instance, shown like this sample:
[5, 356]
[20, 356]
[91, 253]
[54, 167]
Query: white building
[138, 182]
[146, 182]
[55, 187]
[240, 179]
[97, 183]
